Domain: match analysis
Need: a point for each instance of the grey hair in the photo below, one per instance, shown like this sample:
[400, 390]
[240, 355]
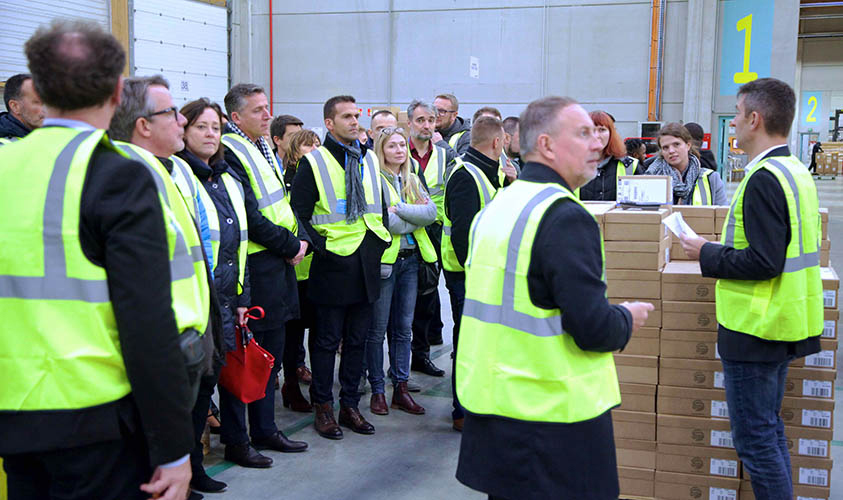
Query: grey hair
[235, 99]
[420, 104]
[540, 118]
[135, 103]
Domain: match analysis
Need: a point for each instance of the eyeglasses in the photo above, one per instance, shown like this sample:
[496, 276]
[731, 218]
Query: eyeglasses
[392, 130]
[172, 109]
[444, 111]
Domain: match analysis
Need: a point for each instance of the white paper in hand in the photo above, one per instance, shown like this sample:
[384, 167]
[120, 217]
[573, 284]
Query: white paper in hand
[678, 226]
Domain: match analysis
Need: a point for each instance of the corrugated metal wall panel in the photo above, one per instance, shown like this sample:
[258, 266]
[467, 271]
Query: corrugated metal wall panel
[186, 42]
[21, 19]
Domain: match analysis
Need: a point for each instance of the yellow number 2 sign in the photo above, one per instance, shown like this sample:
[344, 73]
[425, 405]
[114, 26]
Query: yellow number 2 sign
[744, 76]
[811, 106]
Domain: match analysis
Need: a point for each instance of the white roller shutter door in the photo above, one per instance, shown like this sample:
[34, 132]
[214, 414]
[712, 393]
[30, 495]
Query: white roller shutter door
[186, 42]
[20, 19]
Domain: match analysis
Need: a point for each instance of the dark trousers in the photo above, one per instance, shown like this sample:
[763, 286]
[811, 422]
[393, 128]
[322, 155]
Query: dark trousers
[455, 282]
[754, 392]
[200, 416]
[332, 324]
[262, 411]
[427, 318]
[294, 354]
[106, 470]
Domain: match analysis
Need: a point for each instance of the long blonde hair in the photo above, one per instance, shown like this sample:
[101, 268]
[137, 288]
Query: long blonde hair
[411, 190]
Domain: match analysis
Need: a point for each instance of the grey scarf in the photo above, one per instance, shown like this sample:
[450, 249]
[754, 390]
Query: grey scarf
[681, 189]
[355, 196]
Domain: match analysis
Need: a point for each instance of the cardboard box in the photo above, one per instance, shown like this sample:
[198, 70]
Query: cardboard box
[698, 460]
[831, 284]
[687, 402]
[636, 453]
[800, 492]
[645, 189]
[826, 358]
[807, 472]
[696, 373]
[808, 442]
[686, 315]
[824, 222]
[676, 251]
[683, 281]
[634, 425]
[808, 412]
[830, 318]
[700, 218]
[634, 369]
[677, 486]
[637, 482]
[644, 255]
[654, 318]
[688, 344]
[635, 224]
[811, 382]
[825, 253]
[721, 212]
[638, 397]
[644, 342]
[598, 209]
[631, 283]
[694, 431]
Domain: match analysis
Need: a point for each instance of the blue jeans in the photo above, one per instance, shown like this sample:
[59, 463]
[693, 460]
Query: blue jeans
[393, 309]
[754, 392]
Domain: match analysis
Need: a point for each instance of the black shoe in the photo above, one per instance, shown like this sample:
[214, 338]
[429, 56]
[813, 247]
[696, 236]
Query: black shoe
[195, 496]
[436, 340]
[246, 456]
[201, 481]
[426, 366]
[279, 442]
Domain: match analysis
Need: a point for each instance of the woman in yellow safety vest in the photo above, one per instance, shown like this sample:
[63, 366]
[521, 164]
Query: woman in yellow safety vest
[679, 158]
[220, 195]
[613, 163]
[410, 210]
[295, 370]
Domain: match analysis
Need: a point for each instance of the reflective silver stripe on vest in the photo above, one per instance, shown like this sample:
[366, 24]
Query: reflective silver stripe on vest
[505, 314]
[440, 172]
[479, 177]
[56, 284]
[703, 191]
[244, 234]
[377, 207]
[266, 198]
[187, 174]
[446, 230]
[791, 264]
[181, 266]
[215, 235]
[331, 195]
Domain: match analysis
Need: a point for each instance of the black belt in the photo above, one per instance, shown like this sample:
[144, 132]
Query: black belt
[407, 252]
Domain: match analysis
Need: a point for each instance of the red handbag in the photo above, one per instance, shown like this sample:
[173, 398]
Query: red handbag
[247, 368]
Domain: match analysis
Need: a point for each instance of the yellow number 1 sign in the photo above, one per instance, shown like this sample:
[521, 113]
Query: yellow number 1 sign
[746, 43]
[741, 77]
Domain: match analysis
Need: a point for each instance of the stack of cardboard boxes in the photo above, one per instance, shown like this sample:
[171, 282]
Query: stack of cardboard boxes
[830, 161]
[637, 249]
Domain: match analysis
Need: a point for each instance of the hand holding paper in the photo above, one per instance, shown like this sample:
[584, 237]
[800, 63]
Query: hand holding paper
[678, 226]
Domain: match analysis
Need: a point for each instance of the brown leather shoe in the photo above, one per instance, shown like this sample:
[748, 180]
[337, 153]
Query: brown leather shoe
[351, 418]
[402, 400]
[458, 424]
[324, 422]
[293, 399]
[377, 405]
[304, 375]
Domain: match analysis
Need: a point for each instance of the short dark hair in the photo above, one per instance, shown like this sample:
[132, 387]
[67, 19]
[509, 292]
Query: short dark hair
[13, 88]
[696, 130]
[330, 108]
[235, 99]
[486, 110]
[632, 145]
[675, 129]
[74, 64]
[278, 127]
[540, 118]
[510, 123]
[382, 112]
[191, 112]
[774, 100]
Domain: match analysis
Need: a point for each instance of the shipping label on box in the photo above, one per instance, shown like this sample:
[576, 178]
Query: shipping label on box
[683, 281]
[808, 442]
[645, 189]
[694, 431]
[684, 401]
[696, 373]
[800, 491]
[831, 284]
[830, 318]
[808, 412]
[684, 315]
[826, 358]
[697, 460]
[688, 344]
[811, 382]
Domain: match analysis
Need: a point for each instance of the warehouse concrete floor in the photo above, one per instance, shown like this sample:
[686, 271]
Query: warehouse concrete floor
[415, 457]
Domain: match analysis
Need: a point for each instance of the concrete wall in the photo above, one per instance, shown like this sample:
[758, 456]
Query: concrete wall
[821, 70]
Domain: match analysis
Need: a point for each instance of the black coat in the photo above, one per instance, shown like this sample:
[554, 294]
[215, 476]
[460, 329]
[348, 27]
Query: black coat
[334, 279]
[272, 279]
[604, 187]
[226, 268]
[11, 126]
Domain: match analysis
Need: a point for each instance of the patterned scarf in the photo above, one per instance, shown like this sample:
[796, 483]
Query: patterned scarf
[355, 197]
[681, 189]
[262, 145]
